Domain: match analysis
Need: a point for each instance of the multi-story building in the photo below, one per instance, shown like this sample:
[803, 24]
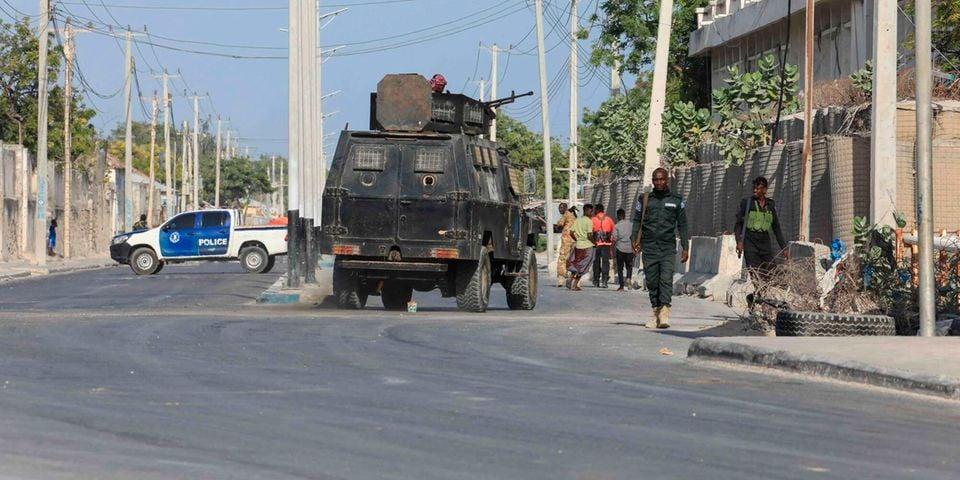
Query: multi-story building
[740, 32]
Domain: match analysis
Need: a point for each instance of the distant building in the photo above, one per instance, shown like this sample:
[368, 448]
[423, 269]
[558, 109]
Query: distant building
[740, 32]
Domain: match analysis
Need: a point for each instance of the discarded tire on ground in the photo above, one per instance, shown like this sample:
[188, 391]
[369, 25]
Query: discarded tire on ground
[820, 324]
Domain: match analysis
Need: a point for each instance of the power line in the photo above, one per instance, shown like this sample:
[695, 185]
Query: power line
[237, 9]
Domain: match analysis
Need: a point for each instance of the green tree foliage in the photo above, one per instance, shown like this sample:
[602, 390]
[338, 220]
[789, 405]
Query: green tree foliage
[525, 149]
[632, 25]
[614, 137]
[945, 32]
[862, 79]
[747, 103]
[685, 129]
[241, 178]
[18, 95]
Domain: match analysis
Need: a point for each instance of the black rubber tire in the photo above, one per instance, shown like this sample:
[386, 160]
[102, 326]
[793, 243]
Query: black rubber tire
[347, 289]
[144, 262]
[159, 267]
[522, 289]
[396, 296]
[473, 285]
[270, 264]
[254, 259]
[820, 324]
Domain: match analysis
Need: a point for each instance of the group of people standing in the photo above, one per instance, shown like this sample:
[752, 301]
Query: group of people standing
[589, 241]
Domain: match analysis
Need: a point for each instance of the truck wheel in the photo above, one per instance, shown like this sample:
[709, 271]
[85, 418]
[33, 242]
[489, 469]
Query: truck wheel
[254, 259]
[522, 290]
[346, 289]
[144, 262]
[821, 324]
[270, 263]
[159, 267]
[473, 285]
[395, 296]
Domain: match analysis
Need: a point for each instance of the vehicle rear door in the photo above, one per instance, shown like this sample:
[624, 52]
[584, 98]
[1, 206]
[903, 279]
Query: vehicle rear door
[428, 192]
[368, 192]
[178, 237]
[214, 233]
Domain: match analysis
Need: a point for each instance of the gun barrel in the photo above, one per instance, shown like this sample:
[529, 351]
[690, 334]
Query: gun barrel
[507, 100]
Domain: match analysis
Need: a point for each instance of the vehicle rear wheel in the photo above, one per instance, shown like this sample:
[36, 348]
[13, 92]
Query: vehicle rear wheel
[159, 267]
[522, 289]
[270, 263]
[347, 289]
[144, 262]
[395, 296]
[473, 285]
[254, 259]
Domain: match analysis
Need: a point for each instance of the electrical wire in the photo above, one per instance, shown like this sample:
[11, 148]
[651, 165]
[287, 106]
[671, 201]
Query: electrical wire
[238, 9]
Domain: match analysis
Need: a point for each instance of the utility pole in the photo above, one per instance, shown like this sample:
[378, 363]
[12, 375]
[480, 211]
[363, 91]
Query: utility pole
[184, 171]
[482, 89]
[128, 137]
[615, 85]
[883, 117]
[273, 181]
[924, 94]
[216, 200]
[574, 103]
[281, 199]
[806, 170]
[196, 152]
[153, 150]
[295, 144]
[545, 125]
[43, 104]
[658, 93]
[167, 159]
[68, 53]
[494, 73]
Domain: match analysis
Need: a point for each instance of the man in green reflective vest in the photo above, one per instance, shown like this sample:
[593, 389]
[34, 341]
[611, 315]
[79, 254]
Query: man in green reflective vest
[756, 220]
[658, 217]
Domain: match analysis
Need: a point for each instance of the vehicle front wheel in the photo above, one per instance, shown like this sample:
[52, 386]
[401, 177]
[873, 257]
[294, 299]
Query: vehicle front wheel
[254, 260]
[473, 285]
[144, 262]
[270, 264]
[395, 296]
[522, 290]
[347, 289]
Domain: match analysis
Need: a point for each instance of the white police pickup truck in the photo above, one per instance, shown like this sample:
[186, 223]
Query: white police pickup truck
[211, 235]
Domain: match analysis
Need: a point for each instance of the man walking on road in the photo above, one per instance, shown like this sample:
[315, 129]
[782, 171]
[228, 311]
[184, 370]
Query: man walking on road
[603, 235]
[756, 220]
[659, 216]
[563, 227]
[624, 247]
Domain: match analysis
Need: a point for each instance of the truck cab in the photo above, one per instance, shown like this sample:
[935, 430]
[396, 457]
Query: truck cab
[422, 201]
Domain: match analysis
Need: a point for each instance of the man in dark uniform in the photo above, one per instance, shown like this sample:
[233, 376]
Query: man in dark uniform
[756, 220]
[658, 217]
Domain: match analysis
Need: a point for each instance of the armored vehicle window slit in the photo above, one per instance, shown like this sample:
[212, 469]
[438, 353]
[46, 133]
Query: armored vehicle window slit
[368, 157]
[430, 160]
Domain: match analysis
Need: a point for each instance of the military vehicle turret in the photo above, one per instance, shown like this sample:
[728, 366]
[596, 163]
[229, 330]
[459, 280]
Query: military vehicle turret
[424, 201]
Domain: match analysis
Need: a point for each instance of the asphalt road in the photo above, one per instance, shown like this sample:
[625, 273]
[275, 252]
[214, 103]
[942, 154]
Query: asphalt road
[105, 375]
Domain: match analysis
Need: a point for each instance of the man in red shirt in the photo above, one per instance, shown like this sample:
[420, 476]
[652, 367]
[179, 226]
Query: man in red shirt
[603, 233]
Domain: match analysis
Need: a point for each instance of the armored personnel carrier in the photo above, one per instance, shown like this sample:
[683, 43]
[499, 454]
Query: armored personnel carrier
[423, 201]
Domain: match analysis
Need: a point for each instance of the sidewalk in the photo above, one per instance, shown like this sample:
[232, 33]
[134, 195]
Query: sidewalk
[25, 268]
[928, 366]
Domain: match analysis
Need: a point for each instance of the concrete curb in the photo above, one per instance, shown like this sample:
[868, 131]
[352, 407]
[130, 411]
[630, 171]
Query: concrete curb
[275, 295]
[30, 272]
[717, 349]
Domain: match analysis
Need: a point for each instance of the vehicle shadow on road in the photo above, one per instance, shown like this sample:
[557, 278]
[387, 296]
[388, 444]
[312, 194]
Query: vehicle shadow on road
[732, 327]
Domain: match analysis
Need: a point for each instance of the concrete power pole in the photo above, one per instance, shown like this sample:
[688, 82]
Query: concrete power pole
[494, 81]
[153, 152]
[924, 94]
[806, 170]
[40, 224]
[574, 103]
[273, 181]
[196, 152]
[68, 53]
[545, 125]
[883, 148]
[295, 144]
[184, 171]
[167, 158]
[216, 200]
[658, 93]
[128, 137]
